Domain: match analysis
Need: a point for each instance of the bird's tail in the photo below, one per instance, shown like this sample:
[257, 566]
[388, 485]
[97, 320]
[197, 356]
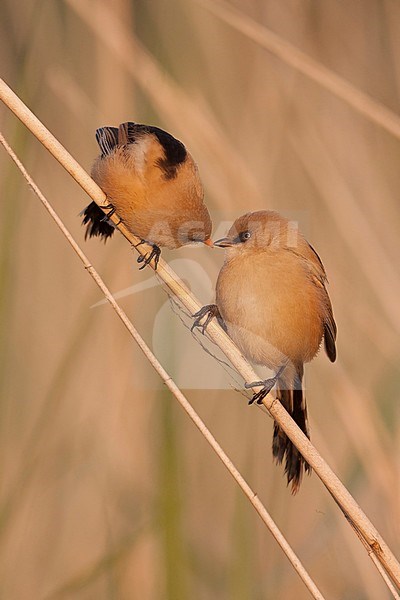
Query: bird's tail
[293, 399]
[96, 222]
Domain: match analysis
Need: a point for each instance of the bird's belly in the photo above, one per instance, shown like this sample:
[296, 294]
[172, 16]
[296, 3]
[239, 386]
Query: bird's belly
[272, 318]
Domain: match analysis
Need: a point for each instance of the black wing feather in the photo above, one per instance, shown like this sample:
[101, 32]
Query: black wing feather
[107, 138]
[330, 339]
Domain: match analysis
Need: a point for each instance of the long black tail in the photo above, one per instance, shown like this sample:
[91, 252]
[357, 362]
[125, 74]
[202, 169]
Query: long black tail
[96, 222]
[294, 401]
[93, 217]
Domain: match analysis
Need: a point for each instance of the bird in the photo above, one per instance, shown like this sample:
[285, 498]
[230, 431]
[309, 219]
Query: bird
[272, 299]
[153, 185]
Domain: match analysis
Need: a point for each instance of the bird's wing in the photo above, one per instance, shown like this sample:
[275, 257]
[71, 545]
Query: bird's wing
[107, 138]
[330, 334]
[129, 132]
[318, 276]
[330, 328]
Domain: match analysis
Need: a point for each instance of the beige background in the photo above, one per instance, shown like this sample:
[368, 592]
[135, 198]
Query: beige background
[107, 490]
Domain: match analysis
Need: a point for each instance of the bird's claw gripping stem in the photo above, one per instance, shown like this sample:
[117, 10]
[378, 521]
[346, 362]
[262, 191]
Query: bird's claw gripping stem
[267, 386]
[209, 311]
[147, 258]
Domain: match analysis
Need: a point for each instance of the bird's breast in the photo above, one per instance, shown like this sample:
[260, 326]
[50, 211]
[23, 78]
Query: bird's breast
[272, 308]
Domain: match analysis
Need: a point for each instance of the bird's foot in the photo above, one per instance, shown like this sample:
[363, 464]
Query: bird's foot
[209, 311]
[267, 386]
[146, 259]
[111, 208]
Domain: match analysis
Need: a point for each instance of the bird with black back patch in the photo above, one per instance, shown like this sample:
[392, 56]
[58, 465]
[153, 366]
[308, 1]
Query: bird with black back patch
[152, 183]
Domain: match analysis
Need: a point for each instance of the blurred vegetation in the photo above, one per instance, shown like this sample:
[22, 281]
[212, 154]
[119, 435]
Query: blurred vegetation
[107, 490]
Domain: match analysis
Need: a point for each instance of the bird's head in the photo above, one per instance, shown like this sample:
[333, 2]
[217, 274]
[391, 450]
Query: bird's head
[194, 230]
[258, 231]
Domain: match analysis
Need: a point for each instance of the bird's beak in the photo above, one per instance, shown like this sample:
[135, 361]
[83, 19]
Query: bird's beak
[224, 243]
[208, 243]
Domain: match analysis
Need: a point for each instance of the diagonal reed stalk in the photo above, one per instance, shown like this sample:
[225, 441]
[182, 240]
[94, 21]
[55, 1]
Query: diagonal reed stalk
[378, 550]
[251, 495]
[310, 68]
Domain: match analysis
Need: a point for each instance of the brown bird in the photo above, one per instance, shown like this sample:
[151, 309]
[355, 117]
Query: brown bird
[272, 298]
[152, 183]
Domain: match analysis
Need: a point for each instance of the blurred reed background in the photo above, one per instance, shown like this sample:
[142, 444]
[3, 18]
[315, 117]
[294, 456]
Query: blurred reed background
[107, 490]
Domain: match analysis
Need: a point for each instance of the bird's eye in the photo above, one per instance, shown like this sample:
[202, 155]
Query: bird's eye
[244, 236]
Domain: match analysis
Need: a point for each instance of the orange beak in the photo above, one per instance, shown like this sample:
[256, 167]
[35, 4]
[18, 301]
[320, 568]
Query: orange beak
[209, 243]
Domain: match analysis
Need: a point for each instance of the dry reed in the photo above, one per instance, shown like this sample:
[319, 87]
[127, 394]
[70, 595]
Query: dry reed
[315, 71]
[377, 548]
[171, 385]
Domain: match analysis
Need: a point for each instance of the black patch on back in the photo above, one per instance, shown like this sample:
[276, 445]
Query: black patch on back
[174, 151]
